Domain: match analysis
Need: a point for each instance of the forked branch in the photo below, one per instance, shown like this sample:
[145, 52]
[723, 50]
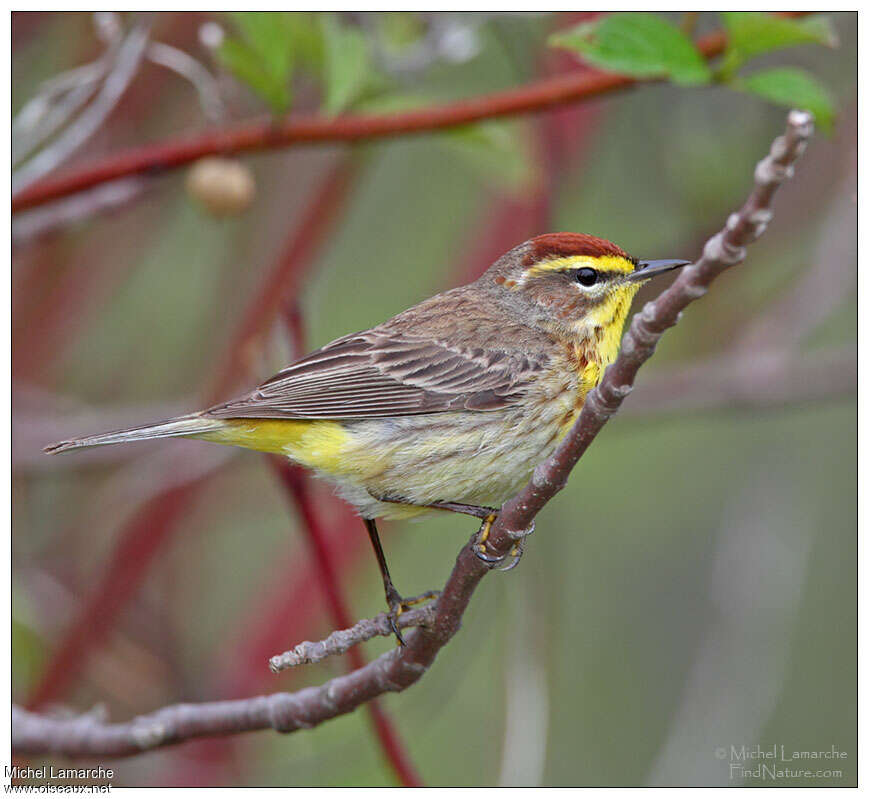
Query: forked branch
[401, 668]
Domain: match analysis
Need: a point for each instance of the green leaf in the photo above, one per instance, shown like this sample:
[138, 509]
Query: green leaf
[751, 33]
[308, 41]
[246, 65]
[793, 88]
[270, 36]
[262, 57]
[347, 64]
[640, 45]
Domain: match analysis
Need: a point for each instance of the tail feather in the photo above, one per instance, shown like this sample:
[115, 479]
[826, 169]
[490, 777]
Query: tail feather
[182, 426]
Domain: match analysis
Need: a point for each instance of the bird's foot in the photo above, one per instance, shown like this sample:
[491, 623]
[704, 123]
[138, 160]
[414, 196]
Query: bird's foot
[399, 604]
[481, 549]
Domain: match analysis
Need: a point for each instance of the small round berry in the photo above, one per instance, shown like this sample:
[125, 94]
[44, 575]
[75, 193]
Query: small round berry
[222, 185]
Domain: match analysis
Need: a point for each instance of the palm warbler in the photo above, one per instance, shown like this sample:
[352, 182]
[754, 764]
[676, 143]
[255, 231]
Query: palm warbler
[450, 404]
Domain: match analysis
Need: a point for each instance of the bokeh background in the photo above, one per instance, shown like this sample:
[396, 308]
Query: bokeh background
[693, 588]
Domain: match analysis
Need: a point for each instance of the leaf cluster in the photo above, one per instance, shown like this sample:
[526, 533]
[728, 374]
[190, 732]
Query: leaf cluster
[266, 51]
[649, 47]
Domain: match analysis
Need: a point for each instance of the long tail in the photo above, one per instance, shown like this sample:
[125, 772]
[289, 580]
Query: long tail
[182, 426]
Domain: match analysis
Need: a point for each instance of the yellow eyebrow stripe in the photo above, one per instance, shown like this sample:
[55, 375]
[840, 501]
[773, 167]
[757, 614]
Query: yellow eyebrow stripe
[603, 263]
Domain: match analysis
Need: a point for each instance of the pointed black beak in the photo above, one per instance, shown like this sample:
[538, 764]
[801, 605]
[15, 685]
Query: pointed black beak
[648, 269]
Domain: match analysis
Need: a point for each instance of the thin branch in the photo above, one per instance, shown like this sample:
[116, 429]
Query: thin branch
[58, 99]
[129, 55]
[107, 197]
[400, 668]
[190, 69]
[268, 134]
[341, 641]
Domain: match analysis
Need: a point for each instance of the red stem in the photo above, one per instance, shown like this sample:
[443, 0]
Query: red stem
[142, 538]
[295, 481]
[312, 129]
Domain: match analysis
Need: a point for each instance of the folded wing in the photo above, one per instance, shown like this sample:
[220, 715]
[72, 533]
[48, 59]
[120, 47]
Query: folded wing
[376, 374]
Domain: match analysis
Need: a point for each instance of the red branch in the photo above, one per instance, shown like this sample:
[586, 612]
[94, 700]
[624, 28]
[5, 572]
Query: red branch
[141, 539]
[268, 134]
[295, 481]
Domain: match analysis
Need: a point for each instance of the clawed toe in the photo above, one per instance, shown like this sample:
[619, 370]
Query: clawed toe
[515, 555]
[480, 547]
[394, 613]
[399, 604]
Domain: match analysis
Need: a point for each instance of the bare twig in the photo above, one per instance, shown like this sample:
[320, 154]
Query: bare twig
[129, 56]
[190, 69]
[400, 668]
[340, 641]
[77, 208]
[58, 99]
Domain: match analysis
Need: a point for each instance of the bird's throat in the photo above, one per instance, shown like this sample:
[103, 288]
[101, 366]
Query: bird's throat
[597, 339]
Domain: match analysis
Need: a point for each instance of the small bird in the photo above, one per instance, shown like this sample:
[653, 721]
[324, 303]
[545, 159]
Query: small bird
[449, 405]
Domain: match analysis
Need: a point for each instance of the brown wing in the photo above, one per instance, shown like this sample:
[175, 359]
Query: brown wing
[375, 374]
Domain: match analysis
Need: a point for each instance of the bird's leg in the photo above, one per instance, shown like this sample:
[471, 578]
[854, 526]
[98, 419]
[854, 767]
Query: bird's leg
[396, 602]
[477, 511]
[488, 516]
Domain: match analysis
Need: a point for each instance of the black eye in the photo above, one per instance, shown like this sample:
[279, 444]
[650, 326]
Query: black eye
[586, 276]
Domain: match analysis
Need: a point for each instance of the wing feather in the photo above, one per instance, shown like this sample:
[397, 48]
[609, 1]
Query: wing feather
[384, 373]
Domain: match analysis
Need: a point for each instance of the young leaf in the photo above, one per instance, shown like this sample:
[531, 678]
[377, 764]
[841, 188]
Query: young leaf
[347, 62]
[245, 64]
[270, 36]
[263, 56]
[641, 45]
[308, 41]
[751, 33]
[793, 88]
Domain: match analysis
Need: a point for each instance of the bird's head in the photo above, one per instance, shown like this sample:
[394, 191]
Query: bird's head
[575, 284]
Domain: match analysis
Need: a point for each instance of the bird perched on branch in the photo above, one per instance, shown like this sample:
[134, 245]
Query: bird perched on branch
[449, 405]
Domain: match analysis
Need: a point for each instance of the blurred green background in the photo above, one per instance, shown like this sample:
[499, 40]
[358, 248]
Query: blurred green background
[694, 587]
